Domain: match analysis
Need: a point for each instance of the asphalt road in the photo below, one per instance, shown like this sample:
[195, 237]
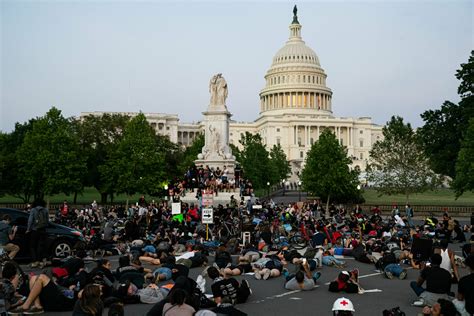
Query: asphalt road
[270, 298]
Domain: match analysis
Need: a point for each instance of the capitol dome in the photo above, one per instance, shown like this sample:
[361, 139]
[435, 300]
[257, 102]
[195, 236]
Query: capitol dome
[295, 79]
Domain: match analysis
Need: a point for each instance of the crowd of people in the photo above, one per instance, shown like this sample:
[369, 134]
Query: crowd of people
[157, 249]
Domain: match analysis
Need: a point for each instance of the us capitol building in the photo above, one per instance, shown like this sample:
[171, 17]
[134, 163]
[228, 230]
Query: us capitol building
[295, 106]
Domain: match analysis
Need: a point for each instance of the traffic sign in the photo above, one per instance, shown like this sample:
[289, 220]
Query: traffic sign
[207, 216]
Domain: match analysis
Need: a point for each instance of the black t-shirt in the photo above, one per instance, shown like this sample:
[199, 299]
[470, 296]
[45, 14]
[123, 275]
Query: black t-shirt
[438, 280]
[466, 288]
[226, 288]
[318, 239]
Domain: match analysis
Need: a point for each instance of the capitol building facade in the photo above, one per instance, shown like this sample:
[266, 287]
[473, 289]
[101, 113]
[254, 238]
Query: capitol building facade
[295, 107]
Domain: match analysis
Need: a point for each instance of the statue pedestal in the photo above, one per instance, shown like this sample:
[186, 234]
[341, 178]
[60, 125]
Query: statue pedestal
[216, 151]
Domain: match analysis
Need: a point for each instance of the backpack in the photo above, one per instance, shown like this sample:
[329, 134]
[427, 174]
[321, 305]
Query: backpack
[41, 219]
[310, 253]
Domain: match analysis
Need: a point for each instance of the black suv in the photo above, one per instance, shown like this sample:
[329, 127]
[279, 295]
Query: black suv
[60, 242]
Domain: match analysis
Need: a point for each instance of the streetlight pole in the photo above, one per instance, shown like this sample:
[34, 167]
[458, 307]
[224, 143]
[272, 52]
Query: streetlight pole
[268, 189]
[283, 185]
[299, 191]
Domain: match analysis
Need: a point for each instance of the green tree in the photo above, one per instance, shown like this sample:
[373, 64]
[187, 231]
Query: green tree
[99, 137]
[444, 129]
[464, 180]
[279, 163]
[49, 157]
[255, 161]
[326, 172]
[10, 182]
[398, 164]
[138, 163]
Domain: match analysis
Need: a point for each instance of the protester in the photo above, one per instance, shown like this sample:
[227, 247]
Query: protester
[7, 234]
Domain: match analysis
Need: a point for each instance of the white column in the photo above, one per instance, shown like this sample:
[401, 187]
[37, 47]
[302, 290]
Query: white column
[318, 132]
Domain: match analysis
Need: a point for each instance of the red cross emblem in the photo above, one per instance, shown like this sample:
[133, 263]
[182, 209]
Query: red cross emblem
[344, 303]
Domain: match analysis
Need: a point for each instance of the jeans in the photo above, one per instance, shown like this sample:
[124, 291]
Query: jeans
[418, 289]
[330, 260]
[394, 269]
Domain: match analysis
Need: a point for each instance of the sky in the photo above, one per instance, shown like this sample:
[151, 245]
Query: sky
[382, 58]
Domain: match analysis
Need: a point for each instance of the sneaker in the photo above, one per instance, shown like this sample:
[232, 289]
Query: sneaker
[267, 274]
[258, 276]
[403, 275]
[419, 303]
[34, 264]
[246, 284]
[388, 275]
[316, 275]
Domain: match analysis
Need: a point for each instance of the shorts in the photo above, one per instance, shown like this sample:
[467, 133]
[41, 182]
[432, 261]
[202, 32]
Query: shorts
[166, 271]
[243, 267]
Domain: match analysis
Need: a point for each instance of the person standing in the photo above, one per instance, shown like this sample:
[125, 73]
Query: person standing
[37, 223]
[7, 234]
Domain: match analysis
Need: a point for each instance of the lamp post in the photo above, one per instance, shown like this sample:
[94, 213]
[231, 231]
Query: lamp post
[299, 191]
[166, 191]
[268, 189]
[283, 185]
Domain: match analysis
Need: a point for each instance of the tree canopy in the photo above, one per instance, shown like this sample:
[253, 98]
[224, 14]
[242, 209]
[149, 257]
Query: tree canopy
[255, 160]
[138, 162]
[49, 158]
[327, 174]
[464, 180]
[398, 164]
[444, 128]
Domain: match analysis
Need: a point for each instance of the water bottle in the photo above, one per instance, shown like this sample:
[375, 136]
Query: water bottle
[78, 286]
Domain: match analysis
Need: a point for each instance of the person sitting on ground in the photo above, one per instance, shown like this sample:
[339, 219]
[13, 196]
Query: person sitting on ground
[346, 281]
[441, 308]
[9, 284]
[103, 275]
[228, 290]
[89, 303]
[466, 288]
[302, 280]
[44, 293]
[447, 260]
[223, 259]
[181, 283]
[7, 234]
[343, 307]
[438, 283]
[177, 305]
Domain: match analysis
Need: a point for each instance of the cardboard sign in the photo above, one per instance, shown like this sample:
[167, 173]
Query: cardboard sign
[176, 208]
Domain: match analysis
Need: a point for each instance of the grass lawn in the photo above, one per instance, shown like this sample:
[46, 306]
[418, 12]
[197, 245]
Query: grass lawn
[438, 197]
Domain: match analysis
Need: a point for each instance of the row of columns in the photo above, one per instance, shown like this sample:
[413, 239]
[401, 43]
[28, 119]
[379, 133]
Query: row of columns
[308, 129]
[188, 139]
[311, 100]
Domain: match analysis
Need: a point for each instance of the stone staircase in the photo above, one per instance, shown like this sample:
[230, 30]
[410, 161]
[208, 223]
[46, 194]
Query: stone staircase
[222, 198]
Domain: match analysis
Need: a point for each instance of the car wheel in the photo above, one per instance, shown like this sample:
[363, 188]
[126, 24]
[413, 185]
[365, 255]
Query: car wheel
[62, 249]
